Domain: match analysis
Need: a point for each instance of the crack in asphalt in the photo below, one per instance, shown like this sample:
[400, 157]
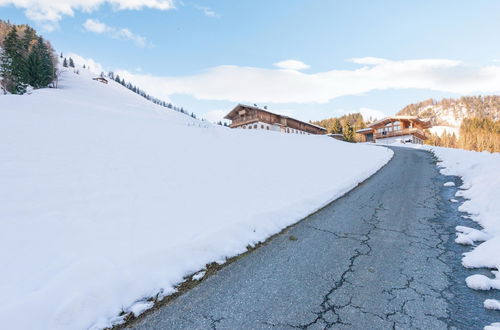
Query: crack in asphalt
[327, 305]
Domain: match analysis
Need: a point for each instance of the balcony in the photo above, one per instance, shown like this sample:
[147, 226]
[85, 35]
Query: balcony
[406, 131]
[246, 120]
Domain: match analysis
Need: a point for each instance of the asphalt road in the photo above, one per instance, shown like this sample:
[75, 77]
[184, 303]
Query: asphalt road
[381, 257]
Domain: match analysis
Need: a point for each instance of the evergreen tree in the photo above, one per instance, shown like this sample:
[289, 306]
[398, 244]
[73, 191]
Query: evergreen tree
[337, 126]
[71, 63]
[40, 65]
[12, 64]
[65, 63]
[348, 132]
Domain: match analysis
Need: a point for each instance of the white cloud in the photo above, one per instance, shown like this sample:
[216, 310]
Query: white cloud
[49, 12]
[207, 11]
[93, 25]
[292, 65]
[258, 85]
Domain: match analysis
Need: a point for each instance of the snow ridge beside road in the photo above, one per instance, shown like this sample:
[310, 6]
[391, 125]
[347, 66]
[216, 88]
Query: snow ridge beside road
[107, 199]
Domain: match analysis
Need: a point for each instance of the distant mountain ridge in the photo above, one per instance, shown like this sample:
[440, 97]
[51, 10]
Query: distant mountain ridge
[451, 112]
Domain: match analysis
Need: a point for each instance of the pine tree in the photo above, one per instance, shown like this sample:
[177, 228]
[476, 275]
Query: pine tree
[12, 64]
[65, 63]
[348, 132]
[337, 127]
[71, 63]
[41, 67]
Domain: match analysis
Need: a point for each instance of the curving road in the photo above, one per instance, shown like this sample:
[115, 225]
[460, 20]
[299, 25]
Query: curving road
[381, 257]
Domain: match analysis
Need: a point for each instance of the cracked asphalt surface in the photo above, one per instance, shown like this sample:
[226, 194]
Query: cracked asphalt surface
[381, 257]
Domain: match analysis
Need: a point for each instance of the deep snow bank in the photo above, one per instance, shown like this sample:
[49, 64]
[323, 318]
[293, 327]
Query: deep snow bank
[106, 199]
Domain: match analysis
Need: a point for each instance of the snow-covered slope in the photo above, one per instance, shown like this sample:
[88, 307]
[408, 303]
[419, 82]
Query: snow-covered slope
[447, 115]
[107, 199]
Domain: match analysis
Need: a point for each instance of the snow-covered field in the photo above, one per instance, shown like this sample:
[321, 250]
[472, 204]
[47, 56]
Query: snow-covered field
[107, 199]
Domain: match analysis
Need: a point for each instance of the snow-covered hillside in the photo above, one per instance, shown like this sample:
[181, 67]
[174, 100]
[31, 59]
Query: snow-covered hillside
[107, 199]
[447, 115]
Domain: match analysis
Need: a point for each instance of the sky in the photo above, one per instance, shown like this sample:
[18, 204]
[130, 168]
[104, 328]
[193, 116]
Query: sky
[311, 59]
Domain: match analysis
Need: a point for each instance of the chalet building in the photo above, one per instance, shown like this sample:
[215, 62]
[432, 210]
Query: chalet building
[405, 129]
[252, 117]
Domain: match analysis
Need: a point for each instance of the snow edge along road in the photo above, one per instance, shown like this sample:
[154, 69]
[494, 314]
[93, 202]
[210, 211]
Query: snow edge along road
[191, 281]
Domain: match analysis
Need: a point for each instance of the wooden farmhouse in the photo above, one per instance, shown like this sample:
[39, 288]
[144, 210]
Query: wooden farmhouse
[404, 129]
[252, 117]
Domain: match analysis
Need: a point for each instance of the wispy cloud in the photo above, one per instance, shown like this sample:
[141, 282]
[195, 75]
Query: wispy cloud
[94, 25]
[49, 12]
[207, 11]
[252, 84]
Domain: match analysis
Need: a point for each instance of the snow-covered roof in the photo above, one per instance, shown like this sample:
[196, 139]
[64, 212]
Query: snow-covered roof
[395, 118]
[242, 106]
[367, 129]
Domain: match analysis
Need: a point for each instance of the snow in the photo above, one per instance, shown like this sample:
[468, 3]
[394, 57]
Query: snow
[440, 130]
[198, 276]
[107, 199]
[492, 304]
[468, 236]
[493, 326]
[449, 184]
[140, 307]
[482, 282]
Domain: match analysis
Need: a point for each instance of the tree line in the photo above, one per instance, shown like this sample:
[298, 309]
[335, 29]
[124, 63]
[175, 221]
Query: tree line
[478, 134]
[137, 90]
[26, 59]
[347, 125]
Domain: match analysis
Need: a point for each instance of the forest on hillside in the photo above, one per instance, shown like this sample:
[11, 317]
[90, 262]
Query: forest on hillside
[347, 125]
[478, 134]
[479, 118]
[464, 107]
[26, 59]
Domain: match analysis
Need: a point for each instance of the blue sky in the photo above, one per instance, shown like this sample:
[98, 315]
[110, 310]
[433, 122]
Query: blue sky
[209, 55]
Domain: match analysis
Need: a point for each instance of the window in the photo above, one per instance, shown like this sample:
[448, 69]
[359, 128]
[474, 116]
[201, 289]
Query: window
[288, 130]
[262, 126]
[249, 126]
[267, 127]
[255, 126]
